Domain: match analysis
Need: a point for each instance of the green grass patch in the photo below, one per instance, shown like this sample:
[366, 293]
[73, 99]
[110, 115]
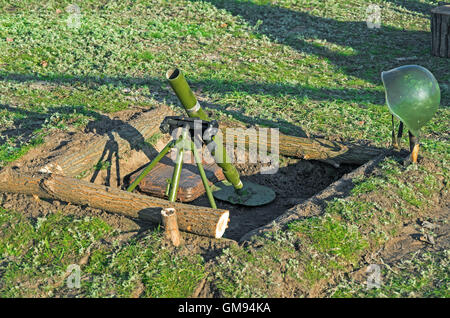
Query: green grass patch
[308, 67]
[154, 138]
[36, 253]
[329, 235]
[102, 165]
[424, 274]
[11, 151]
[144, 268]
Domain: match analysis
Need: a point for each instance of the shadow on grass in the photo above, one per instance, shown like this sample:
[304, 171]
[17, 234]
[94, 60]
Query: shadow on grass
[295, 29]
[414, 6]
[211, 85]
[24, 130]
[217, 86]
[375, 50]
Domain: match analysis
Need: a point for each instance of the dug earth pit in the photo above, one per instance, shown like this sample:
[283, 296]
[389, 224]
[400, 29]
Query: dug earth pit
[120, 154]
[293, 183]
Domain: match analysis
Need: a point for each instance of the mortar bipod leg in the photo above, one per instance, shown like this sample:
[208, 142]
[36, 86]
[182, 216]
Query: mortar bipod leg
[175, 182]
[198, 161]
[152, 164]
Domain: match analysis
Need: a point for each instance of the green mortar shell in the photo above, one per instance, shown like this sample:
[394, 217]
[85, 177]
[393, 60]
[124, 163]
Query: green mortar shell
[194, 110]
[412, 95]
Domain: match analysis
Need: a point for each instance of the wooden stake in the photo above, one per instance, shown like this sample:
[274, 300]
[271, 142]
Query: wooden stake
[169, 221]
[413, 147]
[415, 153]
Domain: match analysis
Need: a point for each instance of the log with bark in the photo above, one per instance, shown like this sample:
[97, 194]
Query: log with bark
[440, 31]
[74, 163]
[332, 152]
[195, 219]
[131, 135]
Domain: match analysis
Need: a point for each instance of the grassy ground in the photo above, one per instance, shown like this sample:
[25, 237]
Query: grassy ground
[308, 67]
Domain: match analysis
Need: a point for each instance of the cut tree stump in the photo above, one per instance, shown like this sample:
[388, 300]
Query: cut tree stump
[194, 219]
[440, 31]
[169, 221]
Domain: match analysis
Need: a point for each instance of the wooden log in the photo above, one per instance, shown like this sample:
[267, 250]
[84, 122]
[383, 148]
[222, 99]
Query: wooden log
[129, 136]
[195, 219]
[332, 152]
[169, 221]
[73, 163]
[440, 31]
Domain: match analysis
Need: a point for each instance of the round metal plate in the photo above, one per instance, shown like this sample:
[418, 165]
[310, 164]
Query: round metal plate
[251, 194]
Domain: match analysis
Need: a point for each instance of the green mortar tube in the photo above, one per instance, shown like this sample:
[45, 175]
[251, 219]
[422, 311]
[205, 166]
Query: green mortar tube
[194, 110]
[175, 182]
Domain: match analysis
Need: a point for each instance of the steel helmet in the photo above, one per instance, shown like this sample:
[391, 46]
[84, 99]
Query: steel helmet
[412, 95]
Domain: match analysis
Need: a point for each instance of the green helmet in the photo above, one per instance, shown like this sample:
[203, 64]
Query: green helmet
[412, 95]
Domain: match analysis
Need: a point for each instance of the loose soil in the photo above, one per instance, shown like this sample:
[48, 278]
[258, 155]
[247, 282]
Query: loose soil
[293, 184]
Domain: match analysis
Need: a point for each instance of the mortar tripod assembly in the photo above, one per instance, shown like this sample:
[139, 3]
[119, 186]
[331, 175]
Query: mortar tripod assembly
[232, 190]
[195, 132]
[184, 142]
